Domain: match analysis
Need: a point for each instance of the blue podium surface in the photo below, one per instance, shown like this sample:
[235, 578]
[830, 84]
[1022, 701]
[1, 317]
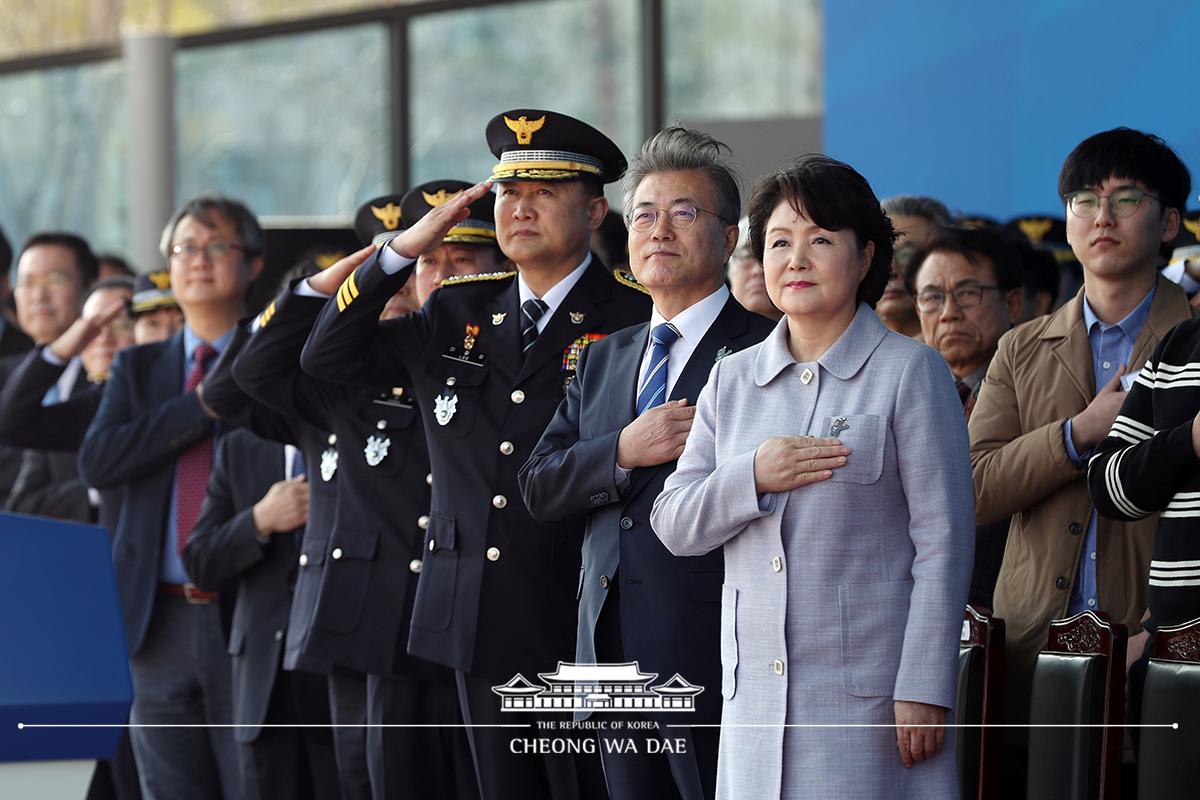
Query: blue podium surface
[63, 659]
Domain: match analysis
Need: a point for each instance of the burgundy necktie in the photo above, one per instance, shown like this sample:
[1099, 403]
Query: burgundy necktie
[964, 391]
[194, 463]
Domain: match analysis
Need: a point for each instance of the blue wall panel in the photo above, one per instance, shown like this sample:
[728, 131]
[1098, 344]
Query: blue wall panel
[979, 103]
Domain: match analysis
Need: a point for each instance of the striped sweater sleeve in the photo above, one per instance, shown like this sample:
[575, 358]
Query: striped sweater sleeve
[1138, 469]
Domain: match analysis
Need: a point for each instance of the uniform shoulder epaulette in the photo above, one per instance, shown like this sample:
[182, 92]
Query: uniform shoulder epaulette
[454, 280]
[625, 277]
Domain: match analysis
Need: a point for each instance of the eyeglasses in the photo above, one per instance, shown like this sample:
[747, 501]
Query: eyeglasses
[930, 301]
[213, 250]
[1122, 203]
[680, 215]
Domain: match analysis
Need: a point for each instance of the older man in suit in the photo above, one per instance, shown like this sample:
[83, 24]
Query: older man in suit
[154, 440]
[615, 439]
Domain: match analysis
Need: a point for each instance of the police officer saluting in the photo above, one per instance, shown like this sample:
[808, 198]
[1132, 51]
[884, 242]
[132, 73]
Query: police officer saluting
[489, 357]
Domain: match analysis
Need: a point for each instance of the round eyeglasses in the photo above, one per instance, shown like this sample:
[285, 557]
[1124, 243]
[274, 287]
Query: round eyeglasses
[1122, 202]
[680, 215]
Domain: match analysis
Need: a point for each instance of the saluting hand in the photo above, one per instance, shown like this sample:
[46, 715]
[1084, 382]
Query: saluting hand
[283, 508]
[329, 279]
[783, 463]
[657, 436]
[84, 329]
[428, 232]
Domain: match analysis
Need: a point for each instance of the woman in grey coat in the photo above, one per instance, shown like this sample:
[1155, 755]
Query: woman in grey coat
[831, 463]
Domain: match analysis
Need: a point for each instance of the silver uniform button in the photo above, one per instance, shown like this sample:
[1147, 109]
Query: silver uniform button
[414, 566]
[279, 636]
[429, 479]
[423, 521]
[518, 396]
[337, 553]
[332, 438]
[380, 425]
[493, 554]
[451, 380]
[432, 545]
[806, 376]
[499, 501]
[506, 448]
[304, 559]
[777, 665]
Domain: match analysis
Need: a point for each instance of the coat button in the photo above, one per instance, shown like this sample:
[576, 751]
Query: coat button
[777, 564]
[626, 523]
[777, 665]
[1061, 582]
[414, 566]
[1075, 528]
[279, 636]
[423, 522]
[304, 559]
[337, 553]
[506, 448]
[603, 581]
[429, 479]
[493, 554]
[806, 378]
[332, 438]
[432, 545]
[499, 501]
[518, 396]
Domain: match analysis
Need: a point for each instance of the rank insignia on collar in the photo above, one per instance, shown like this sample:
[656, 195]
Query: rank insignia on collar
[444, 406]
[577, 317]
[469, 340]
[498, 318]
[376, 450]
[724, 351]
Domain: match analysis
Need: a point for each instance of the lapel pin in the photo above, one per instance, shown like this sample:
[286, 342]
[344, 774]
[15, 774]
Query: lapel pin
[498, 318]
[724, 351]
[577, 317]
[839, 425]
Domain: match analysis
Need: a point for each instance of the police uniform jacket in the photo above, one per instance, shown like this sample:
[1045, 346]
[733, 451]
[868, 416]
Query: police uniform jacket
[366, 572]
[497, 590]
[237, 409]
[670, 607]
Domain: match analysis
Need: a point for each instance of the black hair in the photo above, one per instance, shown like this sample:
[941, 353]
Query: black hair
[85, 260]
[1132, 155]
[974, 245]
[834, 196]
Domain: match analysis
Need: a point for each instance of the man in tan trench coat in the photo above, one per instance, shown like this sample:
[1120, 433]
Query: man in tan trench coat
[1051, 394]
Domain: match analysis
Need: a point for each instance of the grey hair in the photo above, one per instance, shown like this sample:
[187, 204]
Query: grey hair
[678, 149]
[249, 232]
[915, 206]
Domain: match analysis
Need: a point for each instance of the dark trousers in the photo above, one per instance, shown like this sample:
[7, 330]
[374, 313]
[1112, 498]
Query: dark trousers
[348, 711]
[505, 775]
[181, 676]
[417, 762]
[293, 763]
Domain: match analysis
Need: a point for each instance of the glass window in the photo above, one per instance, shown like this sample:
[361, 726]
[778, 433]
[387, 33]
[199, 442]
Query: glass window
[577, 57]
[750, 60]
[291, 125]
[62, 153]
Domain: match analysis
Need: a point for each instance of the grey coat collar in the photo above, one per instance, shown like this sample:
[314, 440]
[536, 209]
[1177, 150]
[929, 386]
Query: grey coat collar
[843, 360]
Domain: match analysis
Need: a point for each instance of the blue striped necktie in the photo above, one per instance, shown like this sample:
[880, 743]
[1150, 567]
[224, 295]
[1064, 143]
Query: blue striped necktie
[531, 312]
[654, 382]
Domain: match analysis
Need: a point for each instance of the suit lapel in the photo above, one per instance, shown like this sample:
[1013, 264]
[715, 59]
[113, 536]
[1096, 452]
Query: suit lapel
[506, 333]
[621, 379]
[167, 370]
[585, 297]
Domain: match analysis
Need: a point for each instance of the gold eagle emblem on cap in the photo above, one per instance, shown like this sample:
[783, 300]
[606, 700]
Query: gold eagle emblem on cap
[161, 279]
[327, 260]
[1193, 227]
[439, 197]
[389, 215]
[525, 128]
[1035, 229]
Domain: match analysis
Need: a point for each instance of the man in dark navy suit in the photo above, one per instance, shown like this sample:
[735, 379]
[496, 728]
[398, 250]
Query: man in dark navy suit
[153, 439]
[489, 357]
[246, 539]
[615, 438]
